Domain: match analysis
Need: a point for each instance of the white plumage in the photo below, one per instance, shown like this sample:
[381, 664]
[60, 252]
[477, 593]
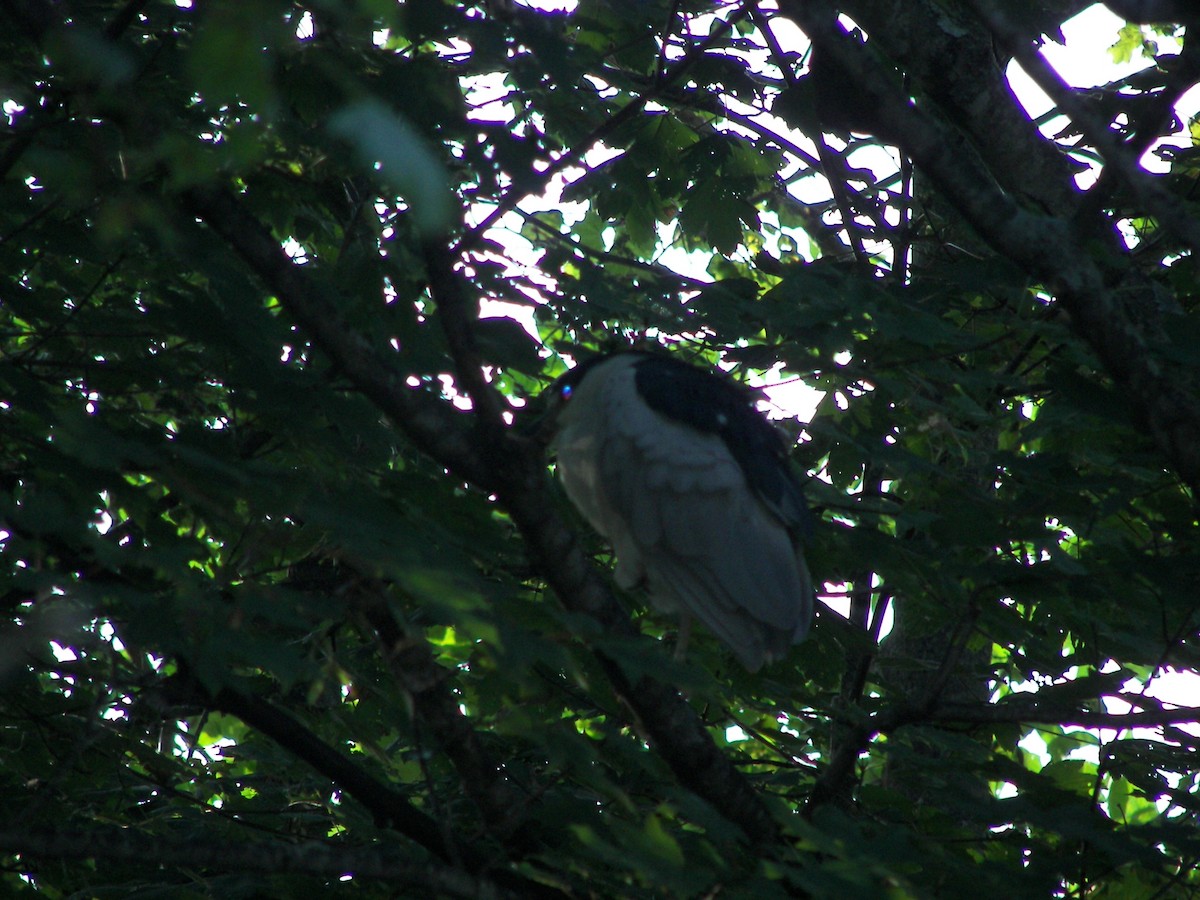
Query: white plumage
[676, 493]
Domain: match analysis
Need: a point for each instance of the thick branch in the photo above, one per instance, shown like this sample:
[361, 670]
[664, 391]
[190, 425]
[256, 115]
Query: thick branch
[1144, 186]
[1154, 12]
[515, 472]
[1046, 247]
[457, 316]
[389, 808]
[955, 64]
[317, 859]
[1040, 714]
[434, 427]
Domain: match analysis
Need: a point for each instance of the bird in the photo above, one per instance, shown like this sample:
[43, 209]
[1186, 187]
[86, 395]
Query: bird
[691, 485]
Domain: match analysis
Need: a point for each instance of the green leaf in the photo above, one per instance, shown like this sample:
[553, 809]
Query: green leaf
[505, 342]
[381, 138]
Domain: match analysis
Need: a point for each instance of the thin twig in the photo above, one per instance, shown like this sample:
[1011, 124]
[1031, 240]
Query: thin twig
[619, 118]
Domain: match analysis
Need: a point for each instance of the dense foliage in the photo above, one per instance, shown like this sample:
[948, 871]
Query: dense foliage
[292, 604]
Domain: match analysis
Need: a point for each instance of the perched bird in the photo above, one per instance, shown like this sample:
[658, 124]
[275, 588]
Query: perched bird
[691, 485]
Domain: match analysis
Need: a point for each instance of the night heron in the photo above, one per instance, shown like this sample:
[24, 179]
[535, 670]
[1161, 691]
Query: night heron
[691, 486]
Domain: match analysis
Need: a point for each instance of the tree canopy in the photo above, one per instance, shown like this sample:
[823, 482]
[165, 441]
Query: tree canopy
[292, 602]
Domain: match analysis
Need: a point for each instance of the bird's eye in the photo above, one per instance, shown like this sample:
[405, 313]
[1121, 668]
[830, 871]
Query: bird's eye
[566, 391]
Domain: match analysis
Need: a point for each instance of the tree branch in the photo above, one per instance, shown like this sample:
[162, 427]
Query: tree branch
[503, 807]
[389, 808]
[830, 786]
[1155, 12]
[1158, 202]
[1047, 247]
[673, 728]
[433, 426]
[956, 66]
[311, 858]
[457, 317]
[1041, 714]
[619, 118]
[514, 470]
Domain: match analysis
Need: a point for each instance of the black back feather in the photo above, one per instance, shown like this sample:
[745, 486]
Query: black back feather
[710, 404]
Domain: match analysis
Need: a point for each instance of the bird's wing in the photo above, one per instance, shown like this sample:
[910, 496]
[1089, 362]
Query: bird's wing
[707, 541]
[713, 405]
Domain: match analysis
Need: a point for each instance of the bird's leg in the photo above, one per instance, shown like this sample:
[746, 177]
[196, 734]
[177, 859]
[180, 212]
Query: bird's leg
[685, 634]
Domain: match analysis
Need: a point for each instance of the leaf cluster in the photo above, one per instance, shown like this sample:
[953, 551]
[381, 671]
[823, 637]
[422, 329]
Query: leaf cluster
[290, 603]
